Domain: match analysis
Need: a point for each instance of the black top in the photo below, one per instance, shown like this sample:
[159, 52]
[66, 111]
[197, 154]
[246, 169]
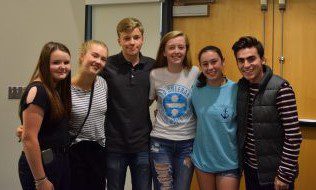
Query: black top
[128, 123]
[53, 133]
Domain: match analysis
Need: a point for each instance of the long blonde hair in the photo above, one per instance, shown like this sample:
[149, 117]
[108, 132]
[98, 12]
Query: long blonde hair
[85, 46]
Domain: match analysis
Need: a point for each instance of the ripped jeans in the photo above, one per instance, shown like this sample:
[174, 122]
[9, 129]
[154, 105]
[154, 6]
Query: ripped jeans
[171, 164]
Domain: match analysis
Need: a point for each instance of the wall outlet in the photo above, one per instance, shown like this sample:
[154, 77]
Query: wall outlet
[15, 92]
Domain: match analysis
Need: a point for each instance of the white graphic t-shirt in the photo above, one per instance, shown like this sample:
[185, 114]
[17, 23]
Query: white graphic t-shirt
[175, 119]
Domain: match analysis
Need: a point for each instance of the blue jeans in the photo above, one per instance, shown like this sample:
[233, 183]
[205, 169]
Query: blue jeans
[171, 163]
[235, 173]
[116, 167]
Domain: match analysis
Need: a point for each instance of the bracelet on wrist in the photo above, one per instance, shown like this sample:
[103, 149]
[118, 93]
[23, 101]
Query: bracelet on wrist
[38, 182]
[40, 179]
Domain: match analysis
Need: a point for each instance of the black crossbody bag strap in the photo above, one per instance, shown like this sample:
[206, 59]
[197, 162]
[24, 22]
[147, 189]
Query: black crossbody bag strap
[85, 119]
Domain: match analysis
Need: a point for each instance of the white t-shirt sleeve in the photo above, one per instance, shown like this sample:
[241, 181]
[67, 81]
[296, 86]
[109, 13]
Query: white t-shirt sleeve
[152, 91]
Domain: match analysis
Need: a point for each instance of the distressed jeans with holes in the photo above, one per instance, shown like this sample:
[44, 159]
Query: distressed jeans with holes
[171, 164]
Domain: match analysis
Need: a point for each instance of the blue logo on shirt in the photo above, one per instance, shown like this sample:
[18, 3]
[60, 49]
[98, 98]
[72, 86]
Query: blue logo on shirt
[175, 103]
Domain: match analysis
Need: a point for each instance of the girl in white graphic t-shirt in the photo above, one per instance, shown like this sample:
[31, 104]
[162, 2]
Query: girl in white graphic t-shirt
[174, 126]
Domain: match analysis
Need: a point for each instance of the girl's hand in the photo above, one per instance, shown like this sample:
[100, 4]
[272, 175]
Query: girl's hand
[44, 185]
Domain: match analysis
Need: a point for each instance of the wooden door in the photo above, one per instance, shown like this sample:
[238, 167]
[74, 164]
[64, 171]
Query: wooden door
[230, 19]
[299, 69]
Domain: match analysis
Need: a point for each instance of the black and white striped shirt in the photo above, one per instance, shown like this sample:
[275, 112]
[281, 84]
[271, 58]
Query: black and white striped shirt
[93, 128]
[286, 105]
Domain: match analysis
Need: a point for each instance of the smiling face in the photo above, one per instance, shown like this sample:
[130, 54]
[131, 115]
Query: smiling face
[94, 59]
[175, 51]
[131, 42]
[59, 65]
[212, 65]
[250, 64]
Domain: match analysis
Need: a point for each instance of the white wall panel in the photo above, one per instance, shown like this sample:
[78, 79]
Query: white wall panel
[106, 17]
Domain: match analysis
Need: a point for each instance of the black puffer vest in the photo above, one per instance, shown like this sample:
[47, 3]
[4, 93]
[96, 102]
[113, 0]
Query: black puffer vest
[268, 131]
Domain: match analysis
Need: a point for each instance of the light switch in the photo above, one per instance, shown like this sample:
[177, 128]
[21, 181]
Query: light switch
[15, 92]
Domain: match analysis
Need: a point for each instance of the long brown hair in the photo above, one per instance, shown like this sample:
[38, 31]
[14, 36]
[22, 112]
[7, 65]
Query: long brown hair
[161, 60]
[59, 95]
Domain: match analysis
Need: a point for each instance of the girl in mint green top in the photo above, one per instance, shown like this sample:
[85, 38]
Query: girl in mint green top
[215, 147]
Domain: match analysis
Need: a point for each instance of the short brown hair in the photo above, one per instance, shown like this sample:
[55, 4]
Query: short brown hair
[248, 42]
[128, 25]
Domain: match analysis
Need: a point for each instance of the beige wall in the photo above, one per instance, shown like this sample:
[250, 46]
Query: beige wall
[230, 19]
[25, 27]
